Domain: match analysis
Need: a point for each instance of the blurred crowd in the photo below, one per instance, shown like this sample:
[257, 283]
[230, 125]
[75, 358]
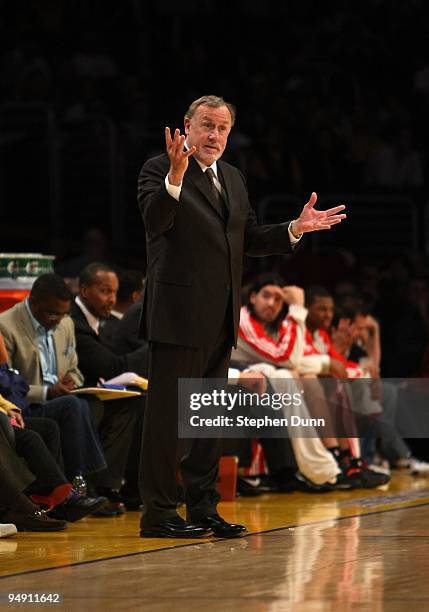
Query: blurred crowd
[328, 95]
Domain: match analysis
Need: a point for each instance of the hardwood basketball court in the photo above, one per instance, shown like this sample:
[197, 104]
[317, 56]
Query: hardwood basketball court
[365, 550]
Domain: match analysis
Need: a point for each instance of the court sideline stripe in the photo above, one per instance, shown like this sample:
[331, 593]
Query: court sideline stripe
[155, 550]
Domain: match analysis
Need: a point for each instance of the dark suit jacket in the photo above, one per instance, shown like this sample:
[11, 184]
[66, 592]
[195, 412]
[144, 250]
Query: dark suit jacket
[125, 334]
[98, 358]
[108, 328]
[194, 255]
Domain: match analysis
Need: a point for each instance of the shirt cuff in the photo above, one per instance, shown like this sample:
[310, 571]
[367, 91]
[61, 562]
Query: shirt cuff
[297, 312]
[173, 190]
[44, 393]
[233, 376]
[292, 238]
[326, 364]
[314, 364]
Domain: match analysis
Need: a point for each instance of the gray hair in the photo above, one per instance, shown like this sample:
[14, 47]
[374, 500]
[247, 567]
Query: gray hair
[213, 102]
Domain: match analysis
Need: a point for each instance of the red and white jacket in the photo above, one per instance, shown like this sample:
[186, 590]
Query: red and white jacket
[318, 352]
[255, 345]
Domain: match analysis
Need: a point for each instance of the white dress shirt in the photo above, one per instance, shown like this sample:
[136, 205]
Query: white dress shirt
[93, 321]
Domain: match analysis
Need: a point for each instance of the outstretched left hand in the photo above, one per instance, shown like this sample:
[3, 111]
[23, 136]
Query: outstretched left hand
[312, 220]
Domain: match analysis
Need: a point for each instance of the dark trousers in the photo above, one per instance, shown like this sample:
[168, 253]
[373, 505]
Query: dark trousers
[116, 422]
[80, 443]
[131, 474]
[30, 446]
[161, 452]
[51, 436]
[14, 475]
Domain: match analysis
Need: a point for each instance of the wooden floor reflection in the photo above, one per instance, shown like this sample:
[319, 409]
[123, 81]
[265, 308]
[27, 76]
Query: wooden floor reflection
[342, 551]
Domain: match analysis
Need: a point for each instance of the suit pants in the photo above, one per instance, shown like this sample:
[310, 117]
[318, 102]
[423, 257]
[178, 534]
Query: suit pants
[116, 421]
[30, 446]
[51, 436]
[14, 475]
[162, 452]
[80, 443]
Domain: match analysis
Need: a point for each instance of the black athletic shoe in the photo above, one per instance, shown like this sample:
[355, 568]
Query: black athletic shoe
[245, 488]
[343, 483]
[364, 478]
[303, 484]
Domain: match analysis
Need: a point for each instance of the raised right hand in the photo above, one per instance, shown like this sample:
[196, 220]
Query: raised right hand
[293, 295]
[179, 158]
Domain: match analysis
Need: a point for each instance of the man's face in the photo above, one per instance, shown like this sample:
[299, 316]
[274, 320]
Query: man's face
[100, 297]
[321, 313]
[49, 310]
[208, 131]
[267, 303]
[360, 328]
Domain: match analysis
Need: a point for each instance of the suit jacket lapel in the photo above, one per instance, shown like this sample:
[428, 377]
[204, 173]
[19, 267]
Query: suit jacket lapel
[60, 351]
[27, 326]
[28, 329]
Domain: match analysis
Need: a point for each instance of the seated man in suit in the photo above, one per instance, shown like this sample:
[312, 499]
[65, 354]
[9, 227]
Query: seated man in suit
[40, 345]
[98, 287]
[129, 293]
[98, 358]
[125, 337]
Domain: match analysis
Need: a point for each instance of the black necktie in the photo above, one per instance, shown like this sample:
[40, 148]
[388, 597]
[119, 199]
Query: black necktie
[211, 176]
[217, 194]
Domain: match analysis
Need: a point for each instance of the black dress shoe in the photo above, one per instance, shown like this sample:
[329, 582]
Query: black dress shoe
[110, 509]
[33, 521]
[77, 508]
[175, 527]
[133, 503]
[220, 527]
[115, 504]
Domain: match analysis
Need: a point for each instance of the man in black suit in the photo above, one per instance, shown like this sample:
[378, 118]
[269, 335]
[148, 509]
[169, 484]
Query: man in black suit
[125, 336]
[117, 420]
[97, 353]
[130, 291]
[198, 223]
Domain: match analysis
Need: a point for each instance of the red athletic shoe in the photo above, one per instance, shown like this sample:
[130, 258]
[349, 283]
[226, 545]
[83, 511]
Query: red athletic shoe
[58, 495]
